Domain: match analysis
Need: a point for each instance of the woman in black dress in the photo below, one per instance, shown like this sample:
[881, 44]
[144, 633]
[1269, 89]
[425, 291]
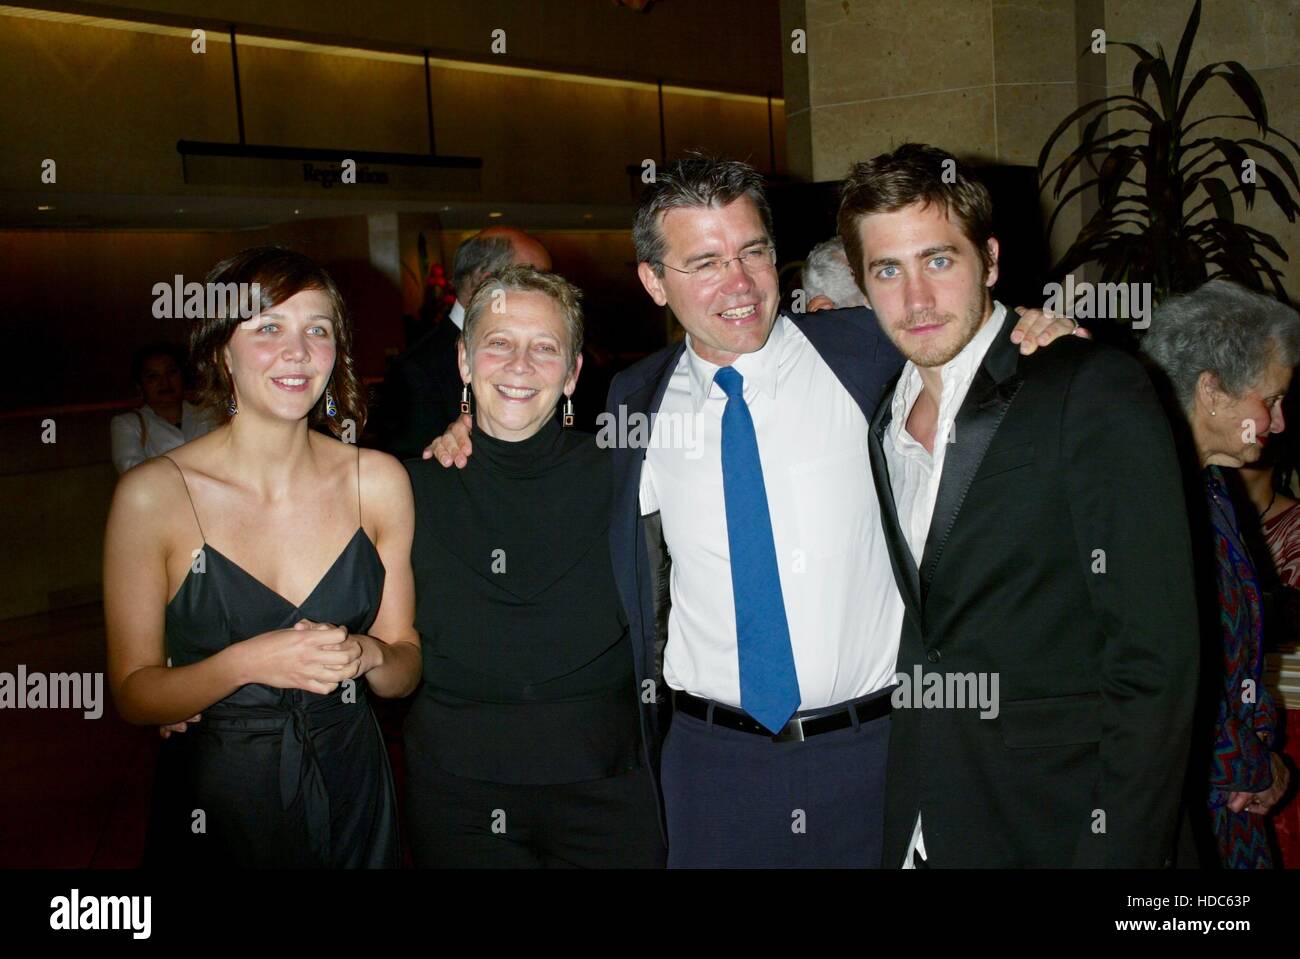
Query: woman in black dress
[268, 565]
[523, 746]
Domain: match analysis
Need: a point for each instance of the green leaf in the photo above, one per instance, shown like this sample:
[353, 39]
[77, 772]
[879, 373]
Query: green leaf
[1185, 45]
[1282, 160]
[1279, 192]
[1216, 116]
[1141, 107]
[1164, 86]
[1114, 172]
[1247, 90]
[1065, 200]
[1188, 170]
[1224, 229]
[1242, 83]
[1077, 156]
[1086, 150]
[1219, 195]
[1236, 158]
[1141, 70]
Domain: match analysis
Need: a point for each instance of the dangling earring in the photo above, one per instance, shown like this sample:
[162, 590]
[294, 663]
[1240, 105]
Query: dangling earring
[464, 398]
[568, 411]
[330, 409]
[231, 408]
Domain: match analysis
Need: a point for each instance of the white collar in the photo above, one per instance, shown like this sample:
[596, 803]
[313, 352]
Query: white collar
[457, 315]
[759, 369]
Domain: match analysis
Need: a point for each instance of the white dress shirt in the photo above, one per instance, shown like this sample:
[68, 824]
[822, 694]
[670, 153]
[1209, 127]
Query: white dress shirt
[842, 605]
[161, 436]
[914, 474]
[457, 315]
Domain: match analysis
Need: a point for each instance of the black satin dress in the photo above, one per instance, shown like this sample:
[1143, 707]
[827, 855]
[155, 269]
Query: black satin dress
[278, 777]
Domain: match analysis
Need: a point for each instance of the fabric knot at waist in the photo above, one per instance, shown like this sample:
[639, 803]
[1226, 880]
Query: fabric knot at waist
[297, 718]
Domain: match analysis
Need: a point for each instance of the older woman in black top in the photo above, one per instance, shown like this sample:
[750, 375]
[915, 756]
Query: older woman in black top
[523, 746]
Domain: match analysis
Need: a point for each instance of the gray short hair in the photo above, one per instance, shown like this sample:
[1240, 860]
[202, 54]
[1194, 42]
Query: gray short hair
[480, 255]
[523, 278]
[1225, 329]
[695, 180]
[826, 272]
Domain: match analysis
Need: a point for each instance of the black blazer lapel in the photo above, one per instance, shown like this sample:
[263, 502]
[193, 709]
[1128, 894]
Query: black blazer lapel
[644, 399]
[626, 542]
[991, 392]
[900, 554]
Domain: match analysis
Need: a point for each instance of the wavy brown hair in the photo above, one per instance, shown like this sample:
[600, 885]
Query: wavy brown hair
[914, 173]
[280, 273]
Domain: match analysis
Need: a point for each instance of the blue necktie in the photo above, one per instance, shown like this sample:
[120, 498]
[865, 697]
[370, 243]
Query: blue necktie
[769, 688]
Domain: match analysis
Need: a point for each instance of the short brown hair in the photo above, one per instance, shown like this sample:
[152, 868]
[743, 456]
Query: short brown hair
[523, 278]
[914, 173]
[280, 274]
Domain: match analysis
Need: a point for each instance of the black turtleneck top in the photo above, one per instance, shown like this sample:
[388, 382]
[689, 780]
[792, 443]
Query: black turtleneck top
[528, 672]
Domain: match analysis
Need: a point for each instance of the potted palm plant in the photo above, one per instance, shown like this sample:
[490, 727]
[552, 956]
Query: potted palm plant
[1167, 184]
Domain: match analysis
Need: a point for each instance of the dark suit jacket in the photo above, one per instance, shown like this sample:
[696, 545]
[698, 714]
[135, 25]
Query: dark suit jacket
[421, 393]
[1061, 461]
[864, 361]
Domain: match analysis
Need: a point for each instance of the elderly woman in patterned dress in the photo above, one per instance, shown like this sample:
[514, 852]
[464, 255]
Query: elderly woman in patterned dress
[1228, 355]
[1267, 485]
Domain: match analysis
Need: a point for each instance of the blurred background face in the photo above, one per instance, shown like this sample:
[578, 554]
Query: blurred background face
[926, 281]
[1239, 429]
[281, 359]
[729, 315]
[160, 381]
[518, 365]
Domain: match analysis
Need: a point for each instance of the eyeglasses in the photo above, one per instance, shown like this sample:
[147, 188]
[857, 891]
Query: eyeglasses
[712, 271]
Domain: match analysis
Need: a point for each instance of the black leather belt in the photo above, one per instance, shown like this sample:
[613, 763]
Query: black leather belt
[801, 725]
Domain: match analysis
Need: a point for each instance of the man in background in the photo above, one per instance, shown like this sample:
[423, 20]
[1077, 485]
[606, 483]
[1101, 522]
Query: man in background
[422, 389]
[828, 279]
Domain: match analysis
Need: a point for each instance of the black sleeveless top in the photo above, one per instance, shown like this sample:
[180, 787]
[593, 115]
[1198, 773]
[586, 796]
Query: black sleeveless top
[286, 777]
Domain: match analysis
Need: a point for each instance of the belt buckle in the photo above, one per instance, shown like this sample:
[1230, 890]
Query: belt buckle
[792, 732]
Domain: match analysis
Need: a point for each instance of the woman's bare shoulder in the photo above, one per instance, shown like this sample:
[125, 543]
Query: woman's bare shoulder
[159, 489]
[148, 496]
[383, 468]
[385, 485]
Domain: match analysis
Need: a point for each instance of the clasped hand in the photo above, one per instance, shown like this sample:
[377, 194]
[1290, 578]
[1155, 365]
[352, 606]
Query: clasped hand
[311, 656]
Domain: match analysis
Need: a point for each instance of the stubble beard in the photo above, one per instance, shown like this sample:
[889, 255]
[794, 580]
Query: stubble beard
[933, 354]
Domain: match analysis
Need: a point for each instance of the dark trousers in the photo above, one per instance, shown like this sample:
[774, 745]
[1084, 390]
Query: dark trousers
[454, 822]
[735, 799]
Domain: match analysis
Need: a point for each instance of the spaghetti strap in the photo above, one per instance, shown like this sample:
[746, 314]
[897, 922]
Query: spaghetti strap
[359, 523]
[187, 496]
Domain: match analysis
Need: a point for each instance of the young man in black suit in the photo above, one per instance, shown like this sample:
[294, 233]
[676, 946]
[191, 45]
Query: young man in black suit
[1035, 518]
